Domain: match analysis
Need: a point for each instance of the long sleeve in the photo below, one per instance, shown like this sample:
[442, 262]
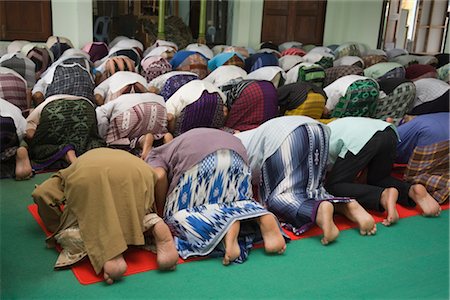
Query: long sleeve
[104, 113]
[48, 196]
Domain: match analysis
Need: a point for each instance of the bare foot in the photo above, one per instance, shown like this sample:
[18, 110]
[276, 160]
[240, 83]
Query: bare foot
[270, 231]
[356, 213]
[428, 204]
[23, 165]
[324, 220]
[389, 202]
[147, 145]
[166, 252]
[71, 157]
[114, 269]
[232, 250]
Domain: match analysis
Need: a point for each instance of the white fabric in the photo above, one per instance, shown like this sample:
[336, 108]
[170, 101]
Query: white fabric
[200, 48]
[189, 93]
[224, 74]
[287, 62]
[112, 109]
[265, 140]
[16, 46]
[267, 73]
[292, 44]
[10, 110]
[429, 89]
[117, 81]
[348, 61]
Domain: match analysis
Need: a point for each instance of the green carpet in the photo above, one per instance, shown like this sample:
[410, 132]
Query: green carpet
[407, 261]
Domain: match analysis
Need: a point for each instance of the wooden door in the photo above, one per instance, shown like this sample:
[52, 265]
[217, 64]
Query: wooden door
[25, 20]
[393, 17]
[301, 21]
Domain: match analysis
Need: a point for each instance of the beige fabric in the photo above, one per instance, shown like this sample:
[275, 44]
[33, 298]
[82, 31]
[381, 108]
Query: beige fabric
[108, 192]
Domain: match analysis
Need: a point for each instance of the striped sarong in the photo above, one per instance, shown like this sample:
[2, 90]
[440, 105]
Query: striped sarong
[14, 90]
[429, 166]
[208, 198]
[314, 74]
[312, 107]
[129, 126]
[207, 111]
[292, 178]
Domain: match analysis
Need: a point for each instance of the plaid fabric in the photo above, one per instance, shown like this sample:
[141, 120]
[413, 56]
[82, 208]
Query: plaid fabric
[195, 63]
[429, 166]
[13, 90]
[22, 65]
[9, 141]
[73, 77]
[156, 69]
[139, 120]
[397, 103]
[360, 100]
[257, 102]
[174, 83]
[370, 60]
[314, 74]
[334, 73]
[207, 111]
[312, 107]
[347, 49]
[235, 61]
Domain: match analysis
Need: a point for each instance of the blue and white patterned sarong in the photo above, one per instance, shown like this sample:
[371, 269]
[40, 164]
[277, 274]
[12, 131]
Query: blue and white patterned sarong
[207, 200]
[292, 178]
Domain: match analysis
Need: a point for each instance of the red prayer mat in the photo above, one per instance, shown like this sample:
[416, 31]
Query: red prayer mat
[139, 260]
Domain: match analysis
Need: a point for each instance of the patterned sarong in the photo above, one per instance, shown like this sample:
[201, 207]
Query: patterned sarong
[22, 65]
[195, 63]
[14, 90]
[360, 100]
[129, 126]
[370, 60]
[207, 200]
[292, 178]
[9, 141]
[347, 49]
[174, 83]
[235, 61]
[73, 77]
[334, 73]
[429, 166]
[64, 125]
[444, 73]
[312, 107]
[155, 68]
[314, 74]
[207, 111]
[396, 103]
[252, 103]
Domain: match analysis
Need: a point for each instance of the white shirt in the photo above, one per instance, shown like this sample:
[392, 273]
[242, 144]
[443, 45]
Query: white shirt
[112, 109]
[117, 81]
[267, 73]
[188, 94]
[224, 74]
[347, 61]
[10, 110]
[287, 62]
